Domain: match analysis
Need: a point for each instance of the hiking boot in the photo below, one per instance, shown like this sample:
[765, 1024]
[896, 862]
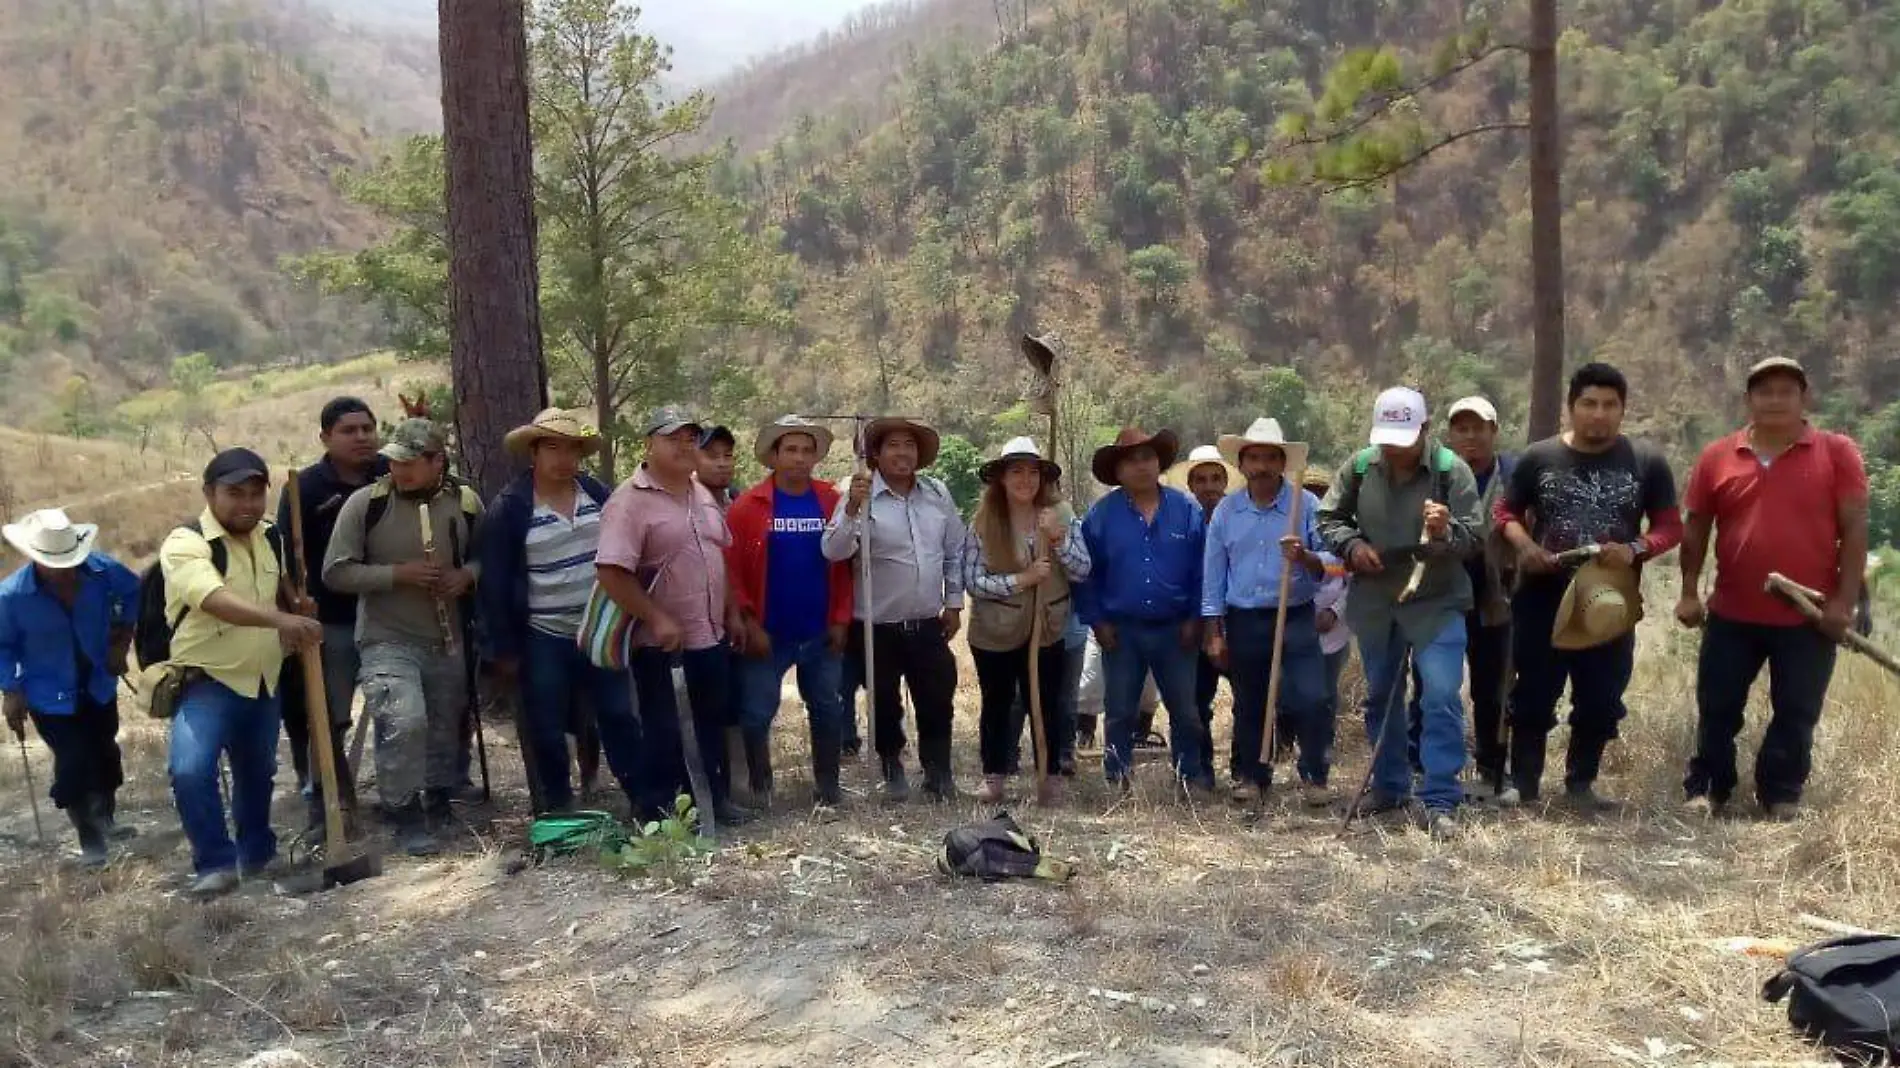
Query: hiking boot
[1243, 792]
[92, 835]
[896, 786]
[106, 812]
[1698, 807]
[1781, 811]
[1584, 797]
[758, 763]
[412, 830]
[1509, 797]
[214, 883]
[1374, 803]
[1316, 795]
[991, 792]
[939, 784]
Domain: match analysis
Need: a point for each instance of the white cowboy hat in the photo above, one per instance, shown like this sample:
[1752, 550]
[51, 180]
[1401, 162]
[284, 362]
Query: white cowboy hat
[553, 423]
[49, 539]
[1602, 603]
[1265, 432]
[1177, 475]
[768, 437]
[1021, 448]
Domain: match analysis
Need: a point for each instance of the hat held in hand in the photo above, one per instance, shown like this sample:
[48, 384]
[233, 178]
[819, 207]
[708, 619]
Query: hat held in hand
[1603, 602]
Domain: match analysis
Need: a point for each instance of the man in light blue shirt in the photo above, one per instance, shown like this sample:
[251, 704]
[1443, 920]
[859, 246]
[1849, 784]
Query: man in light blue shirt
[1253, 538]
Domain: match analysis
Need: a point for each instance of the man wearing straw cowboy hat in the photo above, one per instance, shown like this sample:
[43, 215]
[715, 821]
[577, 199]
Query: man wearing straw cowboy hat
[1403, 514]
[1143, 598]
[913, 601]
[1261, 569]
[538, 546]
[1779, 496]
[65, 628]
[1589, 488]
[795, 604]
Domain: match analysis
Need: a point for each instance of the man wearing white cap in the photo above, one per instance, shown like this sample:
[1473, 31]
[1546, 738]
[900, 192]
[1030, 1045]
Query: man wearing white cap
[65, 627]
[1404, 516]
[1255, 535]
[1588, 486]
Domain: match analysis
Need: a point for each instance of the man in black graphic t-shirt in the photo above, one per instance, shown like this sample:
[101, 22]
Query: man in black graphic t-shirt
[1587, 486]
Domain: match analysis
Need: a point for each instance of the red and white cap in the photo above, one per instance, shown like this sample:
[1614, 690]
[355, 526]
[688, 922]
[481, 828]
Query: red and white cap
[1398, 417]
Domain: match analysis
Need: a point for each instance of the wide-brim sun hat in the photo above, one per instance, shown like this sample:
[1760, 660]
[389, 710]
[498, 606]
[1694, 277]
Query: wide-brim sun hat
[1107, 458]
[928, 442]
[49, 539]
[1201, 456]
[770, 434]
[1019, 448]
[1602, 603]
[1265, 431]
[557, 424]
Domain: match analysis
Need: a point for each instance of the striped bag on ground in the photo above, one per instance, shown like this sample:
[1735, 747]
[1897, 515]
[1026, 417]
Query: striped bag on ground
[606, 631]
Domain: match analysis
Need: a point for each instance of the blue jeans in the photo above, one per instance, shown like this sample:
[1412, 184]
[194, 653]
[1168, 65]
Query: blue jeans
[1441, 670]
[820, 675]
[1302, 694]
[555, 674]
[1142, 648]
[212, 720]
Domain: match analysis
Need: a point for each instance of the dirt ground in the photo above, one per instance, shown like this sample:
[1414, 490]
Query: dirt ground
[1189, 936]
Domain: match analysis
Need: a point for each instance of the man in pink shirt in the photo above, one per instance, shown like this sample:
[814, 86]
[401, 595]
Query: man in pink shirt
[662, 544]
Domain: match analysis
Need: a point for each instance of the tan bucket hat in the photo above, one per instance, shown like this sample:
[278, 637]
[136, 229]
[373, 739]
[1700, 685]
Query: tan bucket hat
[1602, 603]
[769, 435]
[553, 423]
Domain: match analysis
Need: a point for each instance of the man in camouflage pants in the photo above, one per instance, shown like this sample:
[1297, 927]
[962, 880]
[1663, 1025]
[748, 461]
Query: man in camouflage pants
[409, 624]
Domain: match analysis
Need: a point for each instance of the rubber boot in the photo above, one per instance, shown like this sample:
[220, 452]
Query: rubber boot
[939, 783]
[1527, 763]
[896, 786]
[826, 755]
[92, 836]
[106, 808]
[736, 763]
[758, 761]
[412, 830]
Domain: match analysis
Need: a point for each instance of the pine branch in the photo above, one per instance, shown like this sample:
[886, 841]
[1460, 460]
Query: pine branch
[1444, 142]
[1384, 103]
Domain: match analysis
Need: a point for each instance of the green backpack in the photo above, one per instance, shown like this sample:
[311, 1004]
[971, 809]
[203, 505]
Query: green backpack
[1442, 461]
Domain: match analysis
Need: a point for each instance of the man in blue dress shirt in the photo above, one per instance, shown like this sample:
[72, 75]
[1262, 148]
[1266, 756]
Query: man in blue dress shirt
[1143, 598]
[1250, 541]
[65, 629]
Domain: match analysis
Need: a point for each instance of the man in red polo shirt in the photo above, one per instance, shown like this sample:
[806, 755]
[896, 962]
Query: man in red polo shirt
[1780, 496]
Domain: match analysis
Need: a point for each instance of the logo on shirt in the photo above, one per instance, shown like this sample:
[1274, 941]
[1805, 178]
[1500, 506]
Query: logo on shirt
[798, 525]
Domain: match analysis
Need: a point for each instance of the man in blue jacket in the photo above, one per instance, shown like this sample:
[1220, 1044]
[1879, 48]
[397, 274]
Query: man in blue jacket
[538, 550]
[65, 629]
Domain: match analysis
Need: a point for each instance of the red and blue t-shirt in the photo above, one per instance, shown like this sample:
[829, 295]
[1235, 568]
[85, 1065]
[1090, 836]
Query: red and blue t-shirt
[797, 577]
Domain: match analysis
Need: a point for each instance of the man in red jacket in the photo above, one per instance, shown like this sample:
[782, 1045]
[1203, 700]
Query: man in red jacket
[796, 605]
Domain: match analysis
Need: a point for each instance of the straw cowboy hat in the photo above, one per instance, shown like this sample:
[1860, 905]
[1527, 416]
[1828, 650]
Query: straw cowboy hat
[1316, 477]
[49, 539]
[927, 440]
[1602, 603]
[770, 434]
[557, 424]
[1020, 449]
[1264, 432]
[1202, 455]
[1106, 458]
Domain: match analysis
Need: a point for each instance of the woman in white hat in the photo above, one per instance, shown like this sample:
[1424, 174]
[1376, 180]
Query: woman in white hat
[1020, 544]
[65, 629]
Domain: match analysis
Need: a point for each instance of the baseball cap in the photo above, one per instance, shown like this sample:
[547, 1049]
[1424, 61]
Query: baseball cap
[1777, 363]
[412, 439]
[667, 419]
[1398, 417]
[233, 466]
[1477, 406]
[717, 433]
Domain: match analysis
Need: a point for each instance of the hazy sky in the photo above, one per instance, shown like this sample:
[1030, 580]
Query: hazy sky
[708, 36]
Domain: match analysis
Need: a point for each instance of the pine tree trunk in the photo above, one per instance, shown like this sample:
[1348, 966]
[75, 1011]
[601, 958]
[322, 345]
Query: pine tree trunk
[1547, 251]
[494, 304]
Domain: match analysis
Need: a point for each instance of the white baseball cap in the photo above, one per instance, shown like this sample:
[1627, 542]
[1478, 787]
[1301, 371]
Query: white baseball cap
[1477, 406]
[1398, 417]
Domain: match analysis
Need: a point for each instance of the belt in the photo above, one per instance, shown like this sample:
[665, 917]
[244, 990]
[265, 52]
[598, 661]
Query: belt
[910, 626]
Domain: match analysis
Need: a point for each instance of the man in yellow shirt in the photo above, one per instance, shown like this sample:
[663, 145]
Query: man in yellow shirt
[230, 636]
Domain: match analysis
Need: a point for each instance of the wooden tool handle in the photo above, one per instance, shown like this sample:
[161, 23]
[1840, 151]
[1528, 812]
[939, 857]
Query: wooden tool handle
[316, 694]
[1808, 603]
[428, 554]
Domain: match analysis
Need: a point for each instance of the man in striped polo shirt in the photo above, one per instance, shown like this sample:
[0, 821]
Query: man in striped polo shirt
[537, 571]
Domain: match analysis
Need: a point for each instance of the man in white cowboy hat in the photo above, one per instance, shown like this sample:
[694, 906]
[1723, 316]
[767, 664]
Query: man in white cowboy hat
[65, 628]
[915, 601]
[1255, 536]
[539, 541]
[1143, 598]
[1207, 476]
[1403, 515]
[795, 604]
[347, 429]
[1588, 486]
[1782, 496]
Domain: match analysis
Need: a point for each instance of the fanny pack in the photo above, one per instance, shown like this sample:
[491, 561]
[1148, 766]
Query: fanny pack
[168, 688]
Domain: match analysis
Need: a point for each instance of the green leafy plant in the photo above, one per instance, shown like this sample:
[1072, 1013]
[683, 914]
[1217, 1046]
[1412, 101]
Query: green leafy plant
[666, 848]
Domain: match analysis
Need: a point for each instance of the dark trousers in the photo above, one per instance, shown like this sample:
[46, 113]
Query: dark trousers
[1206, 683]
[1597, 677]
[850, 681]
[664, 775]
[557, 680]
[1250, 636]
[918, 655]
[1063, 741]
[1003, 678]
[1488, 658]
[1800, 662]
[85, 747]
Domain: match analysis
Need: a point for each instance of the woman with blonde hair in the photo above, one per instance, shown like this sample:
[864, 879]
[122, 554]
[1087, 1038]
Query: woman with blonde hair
[1021, 542]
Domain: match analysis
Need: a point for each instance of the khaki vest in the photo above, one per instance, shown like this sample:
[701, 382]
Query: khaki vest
[1001, 626]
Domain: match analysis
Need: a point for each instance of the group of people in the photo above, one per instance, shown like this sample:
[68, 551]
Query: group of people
[1438, 553]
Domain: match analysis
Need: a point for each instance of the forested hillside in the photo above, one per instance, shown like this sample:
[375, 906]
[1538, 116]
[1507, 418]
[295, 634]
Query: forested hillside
[1731, 190]
[164, 159]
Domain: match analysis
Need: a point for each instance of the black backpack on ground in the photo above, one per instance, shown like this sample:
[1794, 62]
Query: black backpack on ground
[994, 849]
[152, 632]
[1845, 994]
